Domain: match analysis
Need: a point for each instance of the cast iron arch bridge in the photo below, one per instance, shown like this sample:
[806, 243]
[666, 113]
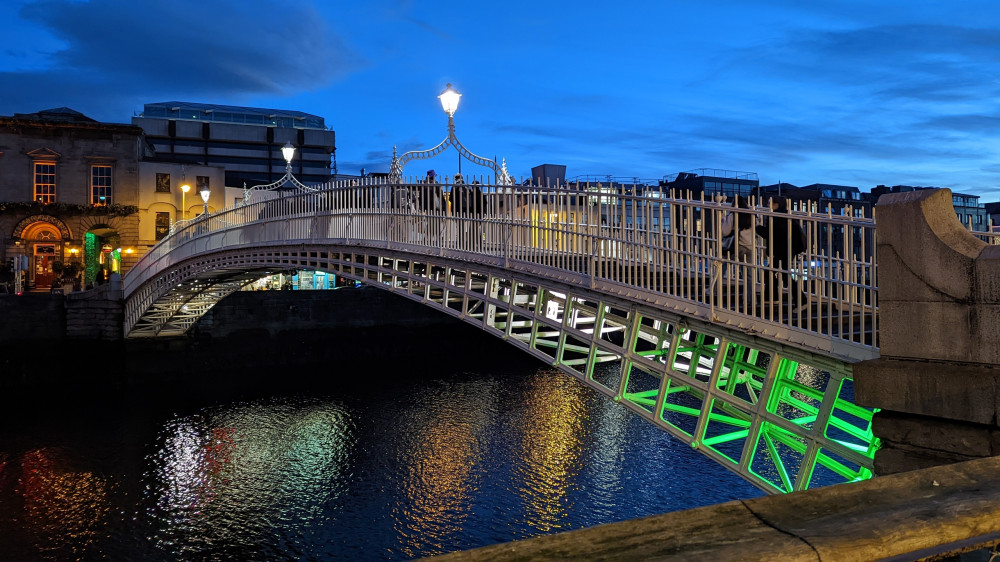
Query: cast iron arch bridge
[627, 289]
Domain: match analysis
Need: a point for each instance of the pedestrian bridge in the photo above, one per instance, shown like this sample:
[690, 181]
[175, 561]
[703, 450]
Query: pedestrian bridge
[629, 290]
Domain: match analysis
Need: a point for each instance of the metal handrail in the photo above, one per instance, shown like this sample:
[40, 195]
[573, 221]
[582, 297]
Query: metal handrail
[665, 245]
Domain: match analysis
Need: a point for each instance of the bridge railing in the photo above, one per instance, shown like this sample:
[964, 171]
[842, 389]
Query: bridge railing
[662, 243]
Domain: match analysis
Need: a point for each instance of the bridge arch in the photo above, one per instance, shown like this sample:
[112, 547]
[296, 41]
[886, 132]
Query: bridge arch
[654, 318]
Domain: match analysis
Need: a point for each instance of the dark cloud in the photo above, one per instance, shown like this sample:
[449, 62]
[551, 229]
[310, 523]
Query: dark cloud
[118, 51]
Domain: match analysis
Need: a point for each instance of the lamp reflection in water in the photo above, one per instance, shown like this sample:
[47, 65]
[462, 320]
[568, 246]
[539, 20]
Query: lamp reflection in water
[556, 408]
[65, 509]
[226, 478]
[440, 454]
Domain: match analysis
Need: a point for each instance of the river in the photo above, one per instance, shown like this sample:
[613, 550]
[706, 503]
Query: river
[458, 442]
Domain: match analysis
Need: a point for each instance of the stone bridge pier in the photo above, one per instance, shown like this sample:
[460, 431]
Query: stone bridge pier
[937, 380]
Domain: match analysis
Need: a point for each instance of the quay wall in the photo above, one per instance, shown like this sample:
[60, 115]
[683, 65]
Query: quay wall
[76, 340]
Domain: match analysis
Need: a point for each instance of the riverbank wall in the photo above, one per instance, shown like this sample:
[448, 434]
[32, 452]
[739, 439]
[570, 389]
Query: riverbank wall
[70, 341]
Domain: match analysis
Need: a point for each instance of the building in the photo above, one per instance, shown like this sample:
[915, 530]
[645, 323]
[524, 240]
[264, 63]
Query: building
[69, 194]
[713, 183]
[246, 141]
[163, 200]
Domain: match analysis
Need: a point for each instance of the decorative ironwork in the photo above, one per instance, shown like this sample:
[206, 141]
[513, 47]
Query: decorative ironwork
[398, 162]
[288, 178]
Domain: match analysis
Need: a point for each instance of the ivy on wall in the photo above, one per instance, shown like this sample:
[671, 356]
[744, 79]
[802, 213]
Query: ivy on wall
[67, 209]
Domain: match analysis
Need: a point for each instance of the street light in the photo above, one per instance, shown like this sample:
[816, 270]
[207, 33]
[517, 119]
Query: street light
[288, 151]
[449, 103]
[204, 197]
[449, 100]
[184, 189]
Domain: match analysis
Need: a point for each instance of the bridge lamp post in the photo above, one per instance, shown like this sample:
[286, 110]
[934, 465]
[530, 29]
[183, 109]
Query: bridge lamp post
[184, 189]
[449, 103]
[288, 151]
[204, 197]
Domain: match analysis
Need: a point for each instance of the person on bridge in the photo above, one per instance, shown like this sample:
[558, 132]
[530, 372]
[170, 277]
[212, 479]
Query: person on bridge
[432, 203]
[783, 241]
[467, 203]
[740, 226]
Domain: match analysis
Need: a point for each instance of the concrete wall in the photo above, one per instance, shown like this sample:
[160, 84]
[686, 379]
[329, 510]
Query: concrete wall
[937, 380]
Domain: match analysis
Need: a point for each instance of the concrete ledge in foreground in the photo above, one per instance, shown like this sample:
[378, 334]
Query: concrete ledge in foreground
[907, 516]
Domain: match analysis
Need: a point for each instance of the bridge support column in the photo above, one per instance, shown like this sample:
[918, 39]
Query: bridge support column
[937, 381]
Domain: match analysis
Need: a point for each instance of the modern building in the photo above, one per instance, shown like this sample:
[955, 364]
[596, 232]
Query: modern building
[713, 183]
[246, 141]
[69, 194]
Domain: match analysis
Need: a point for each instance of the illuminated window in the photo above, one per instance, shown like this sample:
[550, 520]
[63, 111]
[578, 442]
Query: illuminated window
[162, 225]
[45, 182]
[100, 184]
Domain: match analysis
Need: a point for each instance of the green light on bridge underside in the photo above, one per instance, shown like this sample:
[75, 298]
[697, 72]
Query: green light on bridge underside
[795, 441]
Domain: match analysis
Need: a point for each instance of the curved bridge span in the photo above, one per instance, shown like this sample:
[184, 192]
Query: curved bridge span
[631, 293]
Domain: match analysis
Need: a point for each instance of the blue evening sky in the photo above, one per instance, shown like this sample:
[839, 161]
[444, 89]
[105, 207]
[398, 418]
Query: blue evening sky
[846, 92]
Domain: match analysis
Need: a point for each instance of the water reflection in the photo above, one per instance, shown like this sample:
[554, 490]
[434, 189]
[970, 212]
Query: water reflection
[441, 441]
[66, 508]
[552, 424]
[226, 479]
[397, 470]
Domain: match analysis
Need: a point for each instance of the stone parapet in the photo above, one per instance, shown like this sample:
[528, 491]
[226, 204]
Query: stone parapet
[921, 514]
[937, 382]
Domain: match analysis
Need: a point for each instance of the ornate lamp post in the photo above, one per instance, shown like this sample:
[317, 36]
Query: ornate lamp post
[204, 197]
[449, 103]
[288, 153]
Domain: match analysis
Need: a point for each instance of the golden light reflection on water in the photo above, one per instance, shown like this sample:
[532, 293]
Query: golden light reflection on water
[65, 509]
[229, 477]
[439, 452]
[553, 424]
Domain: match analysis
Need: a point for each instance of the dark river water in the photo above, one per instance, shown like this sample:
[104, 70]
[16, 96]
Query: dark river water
[394, 455]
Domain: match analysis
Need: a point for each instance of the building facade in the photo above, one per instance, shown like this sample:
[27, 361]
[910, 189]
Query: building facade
[69, 195]
[163, 199]
[245, 141]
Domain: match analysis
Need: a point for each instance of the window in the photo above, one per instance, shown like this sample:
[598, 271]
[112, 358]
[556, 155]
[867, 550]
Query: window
[100, 184]
[45, 182]
[162, 184]
[202, 183]
[162, 225]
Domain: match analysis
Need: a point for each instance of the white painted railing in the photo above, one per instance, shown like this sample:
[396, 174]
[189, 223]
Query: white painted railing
[653, 242]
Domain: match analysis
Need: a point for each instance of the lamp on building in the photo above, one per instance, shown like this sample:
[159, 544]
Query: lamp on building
[184, 189]
[204, 196]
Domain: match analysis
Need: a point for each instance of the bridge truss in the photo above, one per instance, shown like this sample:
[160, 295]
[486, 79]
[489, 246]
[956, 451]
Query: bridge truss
[777, 416]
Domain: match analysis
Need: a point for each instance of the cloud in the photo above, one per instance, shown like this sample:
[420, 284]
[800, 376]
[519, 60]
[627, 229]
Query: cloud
[117, 51]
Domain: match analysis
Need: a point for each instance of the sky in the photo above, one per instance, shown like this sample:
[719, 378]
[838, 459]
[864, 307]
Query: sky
[846, 92]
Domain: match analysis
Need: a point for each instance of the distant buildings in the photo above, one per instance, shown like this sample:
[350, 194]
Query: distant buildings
[245, 141]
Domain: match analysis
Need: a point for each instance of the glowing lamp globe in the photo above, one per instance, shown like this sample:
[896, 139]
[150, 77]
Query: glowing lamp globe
[449, 100]
[288, 151]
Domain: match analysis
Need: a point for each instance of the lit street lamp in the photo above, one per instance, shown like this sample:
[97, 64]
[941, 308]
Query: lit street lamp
[204, 197]
[288, 151]
[184, 189]
[449, 100]
[449, 103]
